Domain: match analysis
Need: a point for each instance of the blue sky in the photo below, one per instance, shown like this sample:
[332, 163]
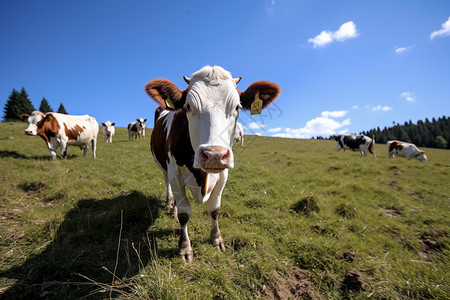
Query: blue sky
[343, 66]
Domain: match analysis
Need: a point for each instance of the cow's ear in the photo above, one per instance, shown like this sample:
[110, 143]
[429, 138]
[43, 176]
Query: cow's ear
[103, 124]
[24, 117]
[264, 90]
[166, 93]
[145, 120]
[48, 118]
[112, 124]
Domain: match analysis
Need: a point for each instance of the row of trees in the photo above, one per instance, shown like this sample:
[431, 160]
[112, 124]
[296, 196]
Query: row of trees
[19, 103]
[434, 134]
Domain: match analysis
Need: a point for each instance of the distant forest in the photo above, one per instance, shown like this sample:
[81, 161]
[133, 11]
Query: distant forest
[434, 134]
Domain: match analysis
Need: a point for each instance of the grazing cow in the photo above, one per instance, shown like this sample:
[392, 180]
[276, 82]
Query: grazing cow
[136, 129]
[410, 151]
[239, 135]
[360, 143]
[192, 138]
[63, 130]
[108, 131]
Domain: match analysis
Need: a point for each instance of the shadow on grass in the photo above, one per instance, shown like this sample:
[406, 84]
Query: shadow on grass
[15, 154]
[86, 249]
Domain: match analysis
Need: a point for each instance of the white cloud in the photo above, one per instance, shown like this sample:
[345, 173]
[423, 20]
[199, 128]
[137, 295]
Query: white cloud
[334, 114]
[445, 31]
[383, 108]
[408, 96]
[254, 125]
[355, 107]
[320, 126]
[272, 130]
[345, 31]
[400, 50]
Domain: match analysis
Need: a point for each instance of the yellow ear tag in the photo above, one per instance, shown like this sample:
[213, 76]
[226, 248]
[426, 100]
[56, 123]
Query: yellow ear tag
[169, 103]
[256, 107]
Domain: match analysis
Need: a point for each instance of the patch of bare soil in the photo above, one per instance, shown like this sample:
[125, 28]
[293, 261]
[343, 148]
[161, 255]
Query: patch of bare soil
[432, 242]
[296, 285]
[391, 212]
[352, 280]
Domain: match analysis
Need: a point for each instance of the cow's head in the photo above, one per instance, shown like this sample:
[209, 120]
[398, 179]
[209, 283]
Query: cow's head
[211, 104]
[108, 125]
[422, 157]
[34, 120]
[141, 122]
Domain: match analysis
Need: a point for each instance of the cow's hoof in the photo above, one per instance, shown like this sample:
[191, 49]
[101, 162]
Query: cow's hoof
[218, 243]
[186, 255]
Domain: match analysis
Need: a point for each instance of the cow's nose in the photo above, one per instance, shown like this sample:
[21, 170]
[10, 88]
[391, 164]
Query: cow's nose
[215, 157]
[28, 132]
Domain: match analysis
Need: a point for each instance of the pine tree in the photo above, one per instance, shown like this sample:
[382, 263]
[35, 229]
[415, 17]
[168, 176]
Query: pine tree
[17, 104]
[25, 102]
[45, 107]
[62, 110]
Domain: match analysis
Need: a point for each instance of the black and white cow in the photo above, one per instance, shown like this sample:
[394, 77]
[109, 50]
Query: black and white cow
[136, 129]
[408, 150]
[360, 143]
[191, 142]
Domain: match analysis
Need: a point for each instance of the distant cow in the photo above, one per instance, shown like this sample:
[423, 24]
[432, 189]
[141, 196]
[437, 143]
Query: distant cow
[360, 143]
[108, 131]
[239, 133]
[408, 150]
[63, 130]
[192, 141]
[136, 129]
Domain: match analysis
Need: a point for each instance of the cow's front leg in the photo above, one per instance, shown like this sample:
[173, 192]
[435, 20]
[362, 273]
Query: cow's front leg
[215, 237]
[184, 244]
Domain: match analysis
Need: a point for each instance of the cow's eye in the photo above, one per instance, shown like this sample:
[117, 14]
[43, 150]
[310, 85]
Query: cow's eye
[188, 107]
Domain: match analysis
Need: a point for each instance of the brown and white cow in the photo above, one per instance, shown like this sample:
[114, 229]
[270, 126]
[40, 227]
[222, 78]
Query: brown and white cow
[408, 150]
[63, 130]
[360, 143]
[137, 129]
[191, 142]
[108, 131]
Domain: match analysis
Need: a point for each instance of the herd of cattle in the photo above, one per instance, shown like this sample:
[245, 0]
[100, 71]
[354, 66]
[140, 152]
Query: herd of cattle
[192, 138]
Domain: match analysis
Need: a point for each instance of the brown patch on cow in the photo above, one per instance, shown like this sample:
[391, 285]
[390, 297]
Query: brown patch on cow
[268, 92]
[73, 133]
[48, 127]
[158, 142]
[395, 145]
[295, 285]
[352, 281]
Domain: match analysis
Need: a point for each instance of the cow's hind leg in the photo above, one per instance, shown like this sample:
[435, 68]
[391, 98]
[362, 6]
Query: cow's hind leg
[184, 244]
[94, 147]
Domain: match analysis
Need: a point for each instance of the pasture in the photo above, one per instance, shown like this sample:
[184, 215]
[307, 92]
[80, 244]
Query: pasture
[298, 219]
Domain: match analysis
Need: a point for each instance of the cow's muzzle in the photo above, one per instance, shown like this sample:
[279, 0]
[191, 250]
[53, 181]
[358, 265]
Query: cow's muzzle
[214, 159]
[29, 132]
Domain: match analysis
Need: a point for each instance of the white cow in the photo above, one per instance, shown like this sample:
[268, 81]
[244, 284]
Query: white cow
[136, 129]
[239, 134]
[108, 131]
[63, 130]
[192, 141]
[408, 150]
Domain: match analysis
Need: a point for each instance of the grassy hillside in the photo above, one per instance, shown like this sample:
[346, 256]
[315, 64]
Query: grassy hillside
[299, 221]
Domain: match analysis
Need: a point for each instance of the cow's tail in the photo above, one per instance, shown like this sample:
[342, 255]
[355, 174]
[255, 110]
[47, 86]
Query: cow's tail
[372, 147]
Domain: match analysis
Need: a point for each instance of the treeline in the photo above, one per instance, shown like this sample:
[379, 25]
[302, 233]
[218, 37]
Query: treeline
[19, 103]
[434, 134]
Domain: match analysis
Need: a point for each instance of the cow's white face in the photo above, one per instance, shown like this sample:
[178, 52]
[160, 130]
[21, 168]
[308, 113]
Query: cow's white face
[212, 112]
[422, 157]
[33, 120]
[108, 127]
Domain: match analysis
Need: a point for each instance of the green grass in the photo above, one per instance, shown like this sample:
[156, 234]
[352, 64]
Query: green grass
[295, 217]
